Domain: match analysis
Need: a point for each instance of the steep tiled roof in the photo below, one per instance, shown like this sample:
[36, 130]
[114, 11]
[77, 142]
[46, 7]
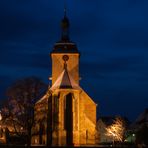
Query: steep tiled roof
[65, 81]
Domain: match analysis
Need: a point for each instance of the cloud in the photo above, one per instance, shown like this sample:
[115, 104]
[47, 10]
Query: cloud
[112, 64]
[131, 38]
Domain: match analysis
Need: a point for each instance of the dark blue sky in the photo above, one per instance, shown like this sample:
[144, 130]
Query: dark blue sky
[112, 36]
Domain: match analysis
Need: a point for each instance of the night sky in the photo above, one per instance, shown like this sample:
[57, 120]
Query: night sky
[112, 36]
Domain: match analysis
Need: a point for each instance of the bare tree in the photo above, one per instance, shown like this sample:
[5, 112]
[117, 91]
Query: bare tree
[18, 110]
[116, 130]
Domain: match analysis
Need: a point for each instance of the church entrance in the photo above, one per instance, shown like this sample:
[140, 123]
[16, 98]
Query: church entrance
[69, 119]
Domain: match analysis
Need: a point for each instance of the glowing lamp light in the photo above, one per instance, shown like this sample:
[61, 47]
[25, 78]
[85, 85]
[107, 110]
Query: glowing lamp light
[0, 116]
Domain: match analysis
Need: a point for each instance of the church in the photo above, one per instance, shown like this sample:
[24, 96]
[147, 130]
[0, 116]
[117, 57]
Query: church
[65, 115]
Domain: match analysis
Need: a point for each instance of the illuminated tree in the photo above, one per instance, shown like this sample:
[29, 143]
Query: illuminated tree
[116, 130]
[18, 110]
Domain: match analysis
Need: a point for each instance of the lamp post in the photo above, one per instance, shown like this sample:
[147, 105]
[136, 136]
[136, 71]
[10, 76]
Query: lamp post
[133, 138]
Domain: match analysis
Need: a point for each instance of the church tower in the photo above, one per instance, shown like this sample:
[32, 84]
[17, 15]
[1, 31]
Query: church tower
[67, 49]
[65, 115]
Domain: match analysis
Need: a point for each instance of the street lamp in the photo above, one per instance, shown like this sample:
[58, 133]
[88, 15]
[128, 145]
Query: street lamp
[133, 138]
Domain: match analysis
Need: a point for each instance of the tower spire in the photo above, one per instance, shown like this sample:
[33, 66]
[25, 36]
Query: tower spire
[65, 25]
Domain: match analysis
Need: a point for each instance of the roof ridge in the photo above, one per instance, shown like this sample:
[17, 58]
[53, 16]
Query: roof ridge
[65, 81]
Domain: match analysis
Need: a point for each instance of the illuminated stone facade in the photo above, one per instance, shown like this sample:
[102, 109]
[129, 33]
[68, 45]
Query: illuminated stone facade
[65, 115]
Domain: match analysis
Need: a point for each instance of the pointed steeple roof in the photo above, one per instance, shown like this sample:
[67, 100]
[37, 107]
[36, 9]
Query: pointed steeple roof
[65, 81]
[65, 44]
[65, 27]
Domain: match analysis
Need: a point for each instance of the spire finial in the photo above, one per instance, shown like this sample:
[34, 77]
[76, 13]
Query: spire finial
[65, 25]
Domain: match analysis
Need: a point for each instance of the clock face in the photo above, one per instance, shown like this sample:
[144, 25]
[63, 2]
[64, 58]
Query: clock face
[65, 58]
